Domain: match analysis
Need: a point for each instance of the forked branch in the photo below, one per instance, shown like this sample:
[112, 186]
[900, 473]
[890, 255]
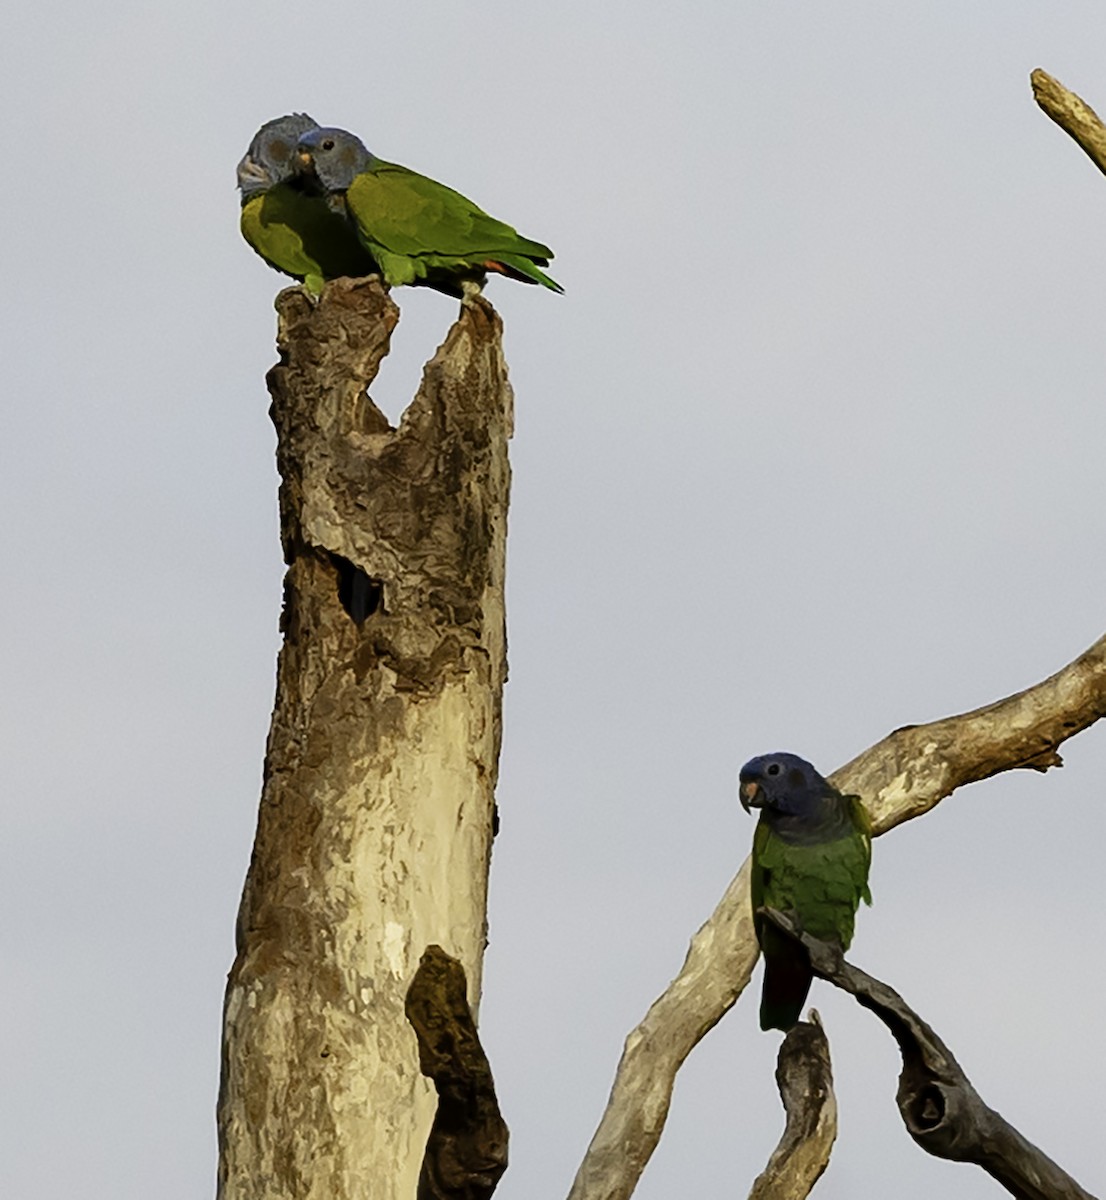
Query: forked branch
[903, 776]
[941, 1110]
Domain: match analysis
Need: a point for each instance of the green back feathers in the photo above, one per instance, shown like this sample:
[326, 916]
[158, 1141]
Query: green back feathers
[411, 214]
[420, 230]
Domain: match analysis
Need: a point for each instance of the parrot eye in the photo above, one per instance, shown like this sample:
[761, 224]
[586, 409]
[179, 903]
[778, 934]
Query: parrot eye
[772, 769]
[327, 144]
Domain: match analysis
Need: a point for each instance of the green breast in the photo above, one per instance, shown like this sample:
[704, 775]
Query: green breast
[821, 884]
[301, 236]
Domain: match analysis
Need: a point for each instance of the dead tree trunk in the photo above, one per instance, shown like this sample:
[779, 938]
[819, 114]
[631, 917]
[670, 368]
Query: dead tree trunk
[377, 809]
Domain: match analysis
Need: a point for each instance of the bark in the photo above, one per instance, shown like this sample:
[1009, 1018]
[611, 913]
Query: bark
[466, 1152]
[377, 808]
[899, 778]
[942, 1112]
[1074, 116]
[805, 1079]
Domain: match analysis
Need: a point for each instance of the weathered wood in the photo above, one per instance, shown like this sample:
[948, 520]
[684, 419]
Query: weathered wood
[901, 777]
[941, 1110]
[805, 1079]
[377, 808]
[1074, 116]
[916, 767]
[466, 1153]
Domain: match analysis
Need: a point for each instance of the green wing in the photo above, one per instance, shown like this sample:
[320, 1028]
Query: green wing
[415, 227]
[301, 236]
[863, 823]
[757, 881]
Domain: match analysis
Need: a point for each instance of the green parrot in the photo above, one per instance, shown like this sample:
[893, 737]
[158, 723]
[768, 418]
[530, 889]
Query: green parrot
[419, 231]
[811, 853]
[295, 232]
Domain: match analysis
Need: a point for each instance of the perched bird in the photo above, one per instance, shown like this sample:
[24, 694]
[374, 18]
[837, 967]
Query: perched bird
[811, 853]
[419, 231]
[295, 232]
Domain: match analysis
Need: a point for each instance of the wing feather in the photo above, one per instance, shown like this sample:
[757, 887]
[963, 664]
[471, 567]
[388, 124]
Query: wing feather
[409, 214]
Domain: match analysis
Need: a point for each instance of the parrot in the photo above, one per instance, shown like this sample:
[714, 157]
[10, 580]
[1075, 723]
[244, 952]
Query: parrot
[295, 232]
[811, 853]
[418, 230]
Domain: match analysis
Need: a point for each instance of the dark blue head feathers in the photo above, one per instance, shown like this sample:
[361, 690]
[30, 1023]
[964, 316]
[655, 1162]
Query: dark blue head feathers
[783, 783]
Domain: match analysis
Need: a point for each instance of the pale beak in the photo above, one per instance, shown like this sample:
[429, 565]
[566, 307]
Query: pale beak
[749, 793]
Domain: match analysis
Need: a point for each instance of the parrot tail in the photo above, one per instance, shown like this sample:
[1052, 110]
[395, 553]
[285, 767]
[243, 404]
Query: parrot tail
[524, 269]
[787, 979]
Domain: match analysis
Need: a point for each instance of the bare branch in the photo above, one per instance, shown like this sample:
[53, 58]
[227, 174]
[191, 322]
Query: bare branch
[941, 1110]
[805, 1079]
[901, 777]
[466, 1152]
[719, 962]
[916, 767]
[1074, 116]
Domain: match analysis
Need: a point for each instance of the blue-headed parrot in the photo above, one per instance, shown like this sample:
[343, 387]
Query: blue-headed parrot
[811, 853]
[296, 232]
[417, 230]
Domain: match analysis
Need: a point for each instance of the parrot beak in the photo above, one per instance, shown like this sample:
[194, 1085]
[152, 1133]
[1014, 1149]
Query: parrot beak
[750, 795]
[306, 162]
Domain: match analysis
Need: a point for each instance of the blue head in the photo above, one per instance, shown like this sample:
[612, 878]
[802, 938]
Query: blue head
[334, 156]
[783, 784]
[271, 157]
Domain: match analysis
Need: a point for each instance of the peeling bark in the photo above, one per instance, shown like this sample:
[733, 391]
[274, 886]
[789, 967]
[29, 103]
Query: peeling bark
[377, 809]
[941, 1110]
[899, 778]
[805, 1079]
[466, 1153]
[1074, 116]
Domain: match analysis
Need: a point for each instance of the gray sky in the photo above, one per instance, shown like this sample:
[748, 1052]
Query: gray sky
[811, 448]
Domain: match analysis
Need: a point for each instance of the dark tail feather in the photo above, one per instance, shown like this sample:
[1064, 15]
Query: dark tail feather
[787, 980]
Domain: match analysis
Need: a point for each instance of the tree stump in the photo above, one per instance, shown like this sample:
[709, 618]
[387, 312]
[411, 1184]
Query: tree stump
[377, 809]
